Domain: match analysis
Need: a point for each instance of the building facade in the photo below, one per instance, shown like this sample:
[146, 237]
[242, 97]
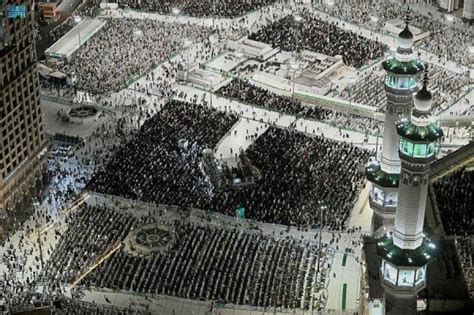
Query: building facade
[401, 79]
[22, 139]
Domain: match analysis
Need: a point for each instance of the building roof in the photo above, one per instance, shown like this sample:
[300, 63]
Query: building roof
[406, 33]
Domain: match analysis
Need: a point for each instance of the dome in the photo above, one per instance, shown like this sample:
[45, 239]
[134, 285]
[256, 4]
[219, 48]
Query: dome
[423, 99]
[406, 38]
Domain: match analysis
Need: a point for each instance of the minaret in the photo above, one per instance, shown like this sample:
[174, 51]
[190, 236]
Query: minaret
[402, 73]
[417, 152]
[406, 254]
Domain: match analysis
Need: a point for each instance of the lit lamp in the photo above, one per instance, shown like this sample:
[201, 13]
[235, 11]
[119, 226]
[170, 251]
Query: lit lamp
[176, 11]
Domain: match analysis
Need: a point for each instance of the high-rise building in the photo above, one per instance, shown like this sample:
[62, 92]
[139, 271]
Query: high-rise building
[402, 73]
[22, 139]
[468, 11]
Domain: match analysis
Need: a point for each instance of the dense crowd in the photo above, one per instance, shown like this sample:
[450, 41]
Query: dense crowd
[300, 174]
[153, 167]
[203, 8]
[250, 94]
[95, 230]
[126, 48]
[61, 305]
[298, 170]
[455, 197]
[445, 40]
[224, 264]
[319, 36]
[446, 86]
[465, 248]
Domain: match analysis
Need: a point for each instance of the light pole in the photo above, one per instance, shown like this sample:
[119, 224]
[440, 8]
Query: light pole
[176, 11]
[186, 45]
[77, 20]
[298, 20]
[322, 207]
[238, 54]
[209, 77]
[377, 143]
[294, 67]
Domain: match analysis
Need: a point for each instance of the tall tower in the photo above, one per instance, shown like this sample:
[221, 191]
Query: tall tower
[406, 254]
[22, 140]
[402, 73]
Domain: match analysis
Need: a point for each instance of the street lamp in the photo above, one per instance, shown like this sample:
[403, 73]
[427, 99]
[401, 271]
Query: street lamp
[186, 44]
[176, 11]
[77, 19]
[322, 207]
[239, 55]
[210, 77]
[298, 20]
[293, 66]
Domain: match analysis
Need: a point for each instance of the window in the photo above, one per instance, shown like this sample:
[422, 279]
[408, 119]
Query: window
[420, 150]
[400, 82]
[431, 149]
[406, 147]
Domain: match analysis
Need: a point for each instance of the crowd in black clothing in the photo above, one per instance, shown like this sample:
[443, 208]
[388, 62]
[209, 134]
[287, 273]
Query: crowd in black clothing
[446, 86]
[126, 48]
[298, 170]
[93, 230]
[455, 199]
[202, 8]
[319, 36]
[224, 8]
[444, 41]
[248, 93]
[225, 264]
[152, 167]
[299, 174]
[62, 305]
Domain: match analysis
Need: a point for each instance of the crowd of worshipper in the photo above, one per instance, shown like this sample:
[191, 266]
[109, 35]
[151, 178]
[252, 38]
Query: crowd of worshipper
[153, 167]
[455, 197]
[203, 8]
[296, 169]
[446, 86]
[95, 230]
[126, 48]
[62, 305]
[248, 93]
[221, 263]
[465, 248]
[445, 40]
[321, 37]
[301, 177]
